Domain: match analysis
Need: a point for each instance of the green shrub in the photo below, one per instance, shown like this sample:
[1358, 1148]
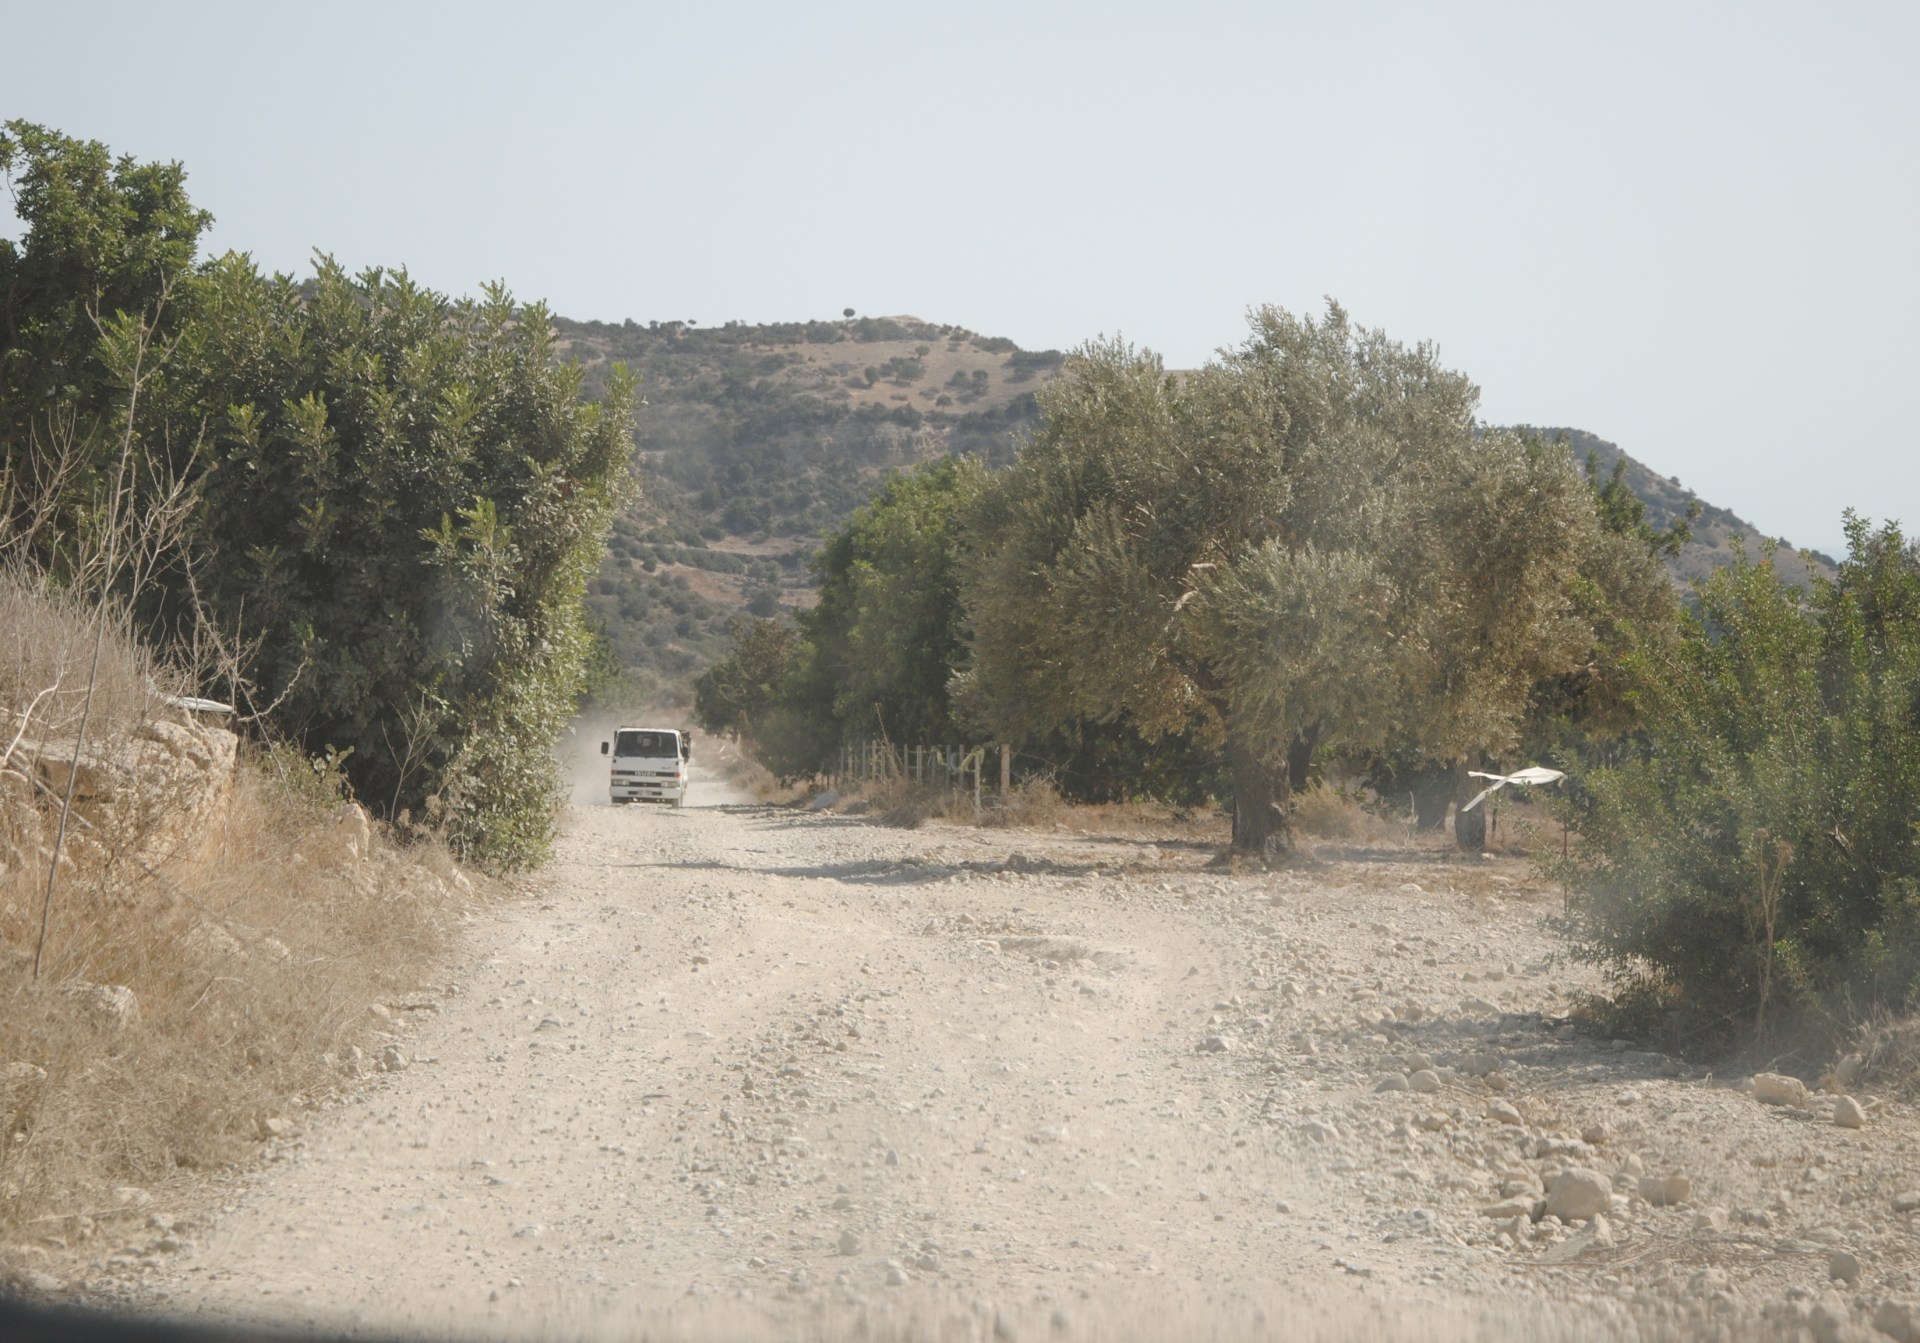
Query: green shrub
[1763, 855]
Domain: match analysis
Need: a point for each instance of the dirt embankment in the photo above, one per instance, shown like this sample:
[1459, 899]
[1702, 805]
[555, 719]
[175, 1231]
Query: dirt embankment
[744, 1071]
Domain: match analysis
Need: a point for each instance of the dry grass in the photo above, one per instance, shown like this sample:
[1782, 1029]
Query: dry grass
[750, 777]
[242, 956]
[1030, 805]
[45, 650]
[1324, 813]
[1889, 1051]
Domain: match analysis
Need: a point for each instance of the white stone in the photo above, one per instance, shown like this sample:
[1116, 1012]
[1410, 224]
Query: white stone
[1848, 1114]
[1426, 1081]
[1505, 1114]
[1578, 1193]
[1779, 1089]
[1842, 1265]
[353, 829]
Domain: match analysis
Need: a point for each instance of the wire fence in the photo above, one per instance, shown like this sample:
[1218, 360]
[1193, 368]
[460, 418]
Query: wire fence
[953, 769]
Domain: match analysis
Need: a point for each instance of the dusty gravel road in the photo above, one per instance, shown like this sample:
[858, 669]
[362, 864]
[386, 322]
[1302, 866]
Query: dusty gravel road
[744, 1071]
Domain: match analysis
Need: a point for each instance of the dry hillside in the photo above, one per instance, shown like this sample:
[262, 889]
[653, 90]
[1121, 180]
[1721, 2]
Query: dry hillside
[755, 439]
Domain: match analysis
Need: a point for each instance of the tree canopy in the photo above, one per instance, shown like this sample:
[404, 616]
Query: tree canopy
[397, 498]
[102, 236]
[874, 657]
[1309, 542]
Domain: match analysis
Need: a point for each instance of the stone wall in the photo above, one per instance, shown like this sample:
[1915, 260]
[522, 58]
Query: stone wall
[158, 797]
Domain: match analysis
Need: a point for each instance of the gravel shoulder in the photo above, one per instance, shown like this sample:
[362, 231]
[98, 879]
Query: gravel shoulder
[739, 1070]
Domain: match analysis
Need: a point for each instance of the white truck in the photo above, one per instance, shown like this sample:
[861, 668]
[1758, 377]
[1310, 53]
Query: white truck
[649, 765]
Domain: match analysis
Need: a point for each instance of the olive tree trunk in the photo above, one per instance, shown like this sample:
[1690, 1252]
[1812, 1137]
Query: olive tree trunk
[1469, 827]
[1300, 759]
[1260, 795]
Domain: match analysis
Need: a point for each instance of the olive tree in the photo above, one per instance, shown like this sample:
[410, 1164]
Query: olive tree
[1307, 543]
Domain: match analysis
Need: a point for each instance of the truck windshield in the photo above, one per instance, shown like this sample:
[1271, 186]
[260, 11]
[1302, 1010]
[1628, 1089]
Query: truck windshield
[647, 743]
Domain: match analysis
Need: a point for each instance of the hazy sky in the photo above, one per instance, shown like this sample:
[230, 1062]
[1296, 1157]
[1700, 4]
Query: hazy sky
[1692, 229]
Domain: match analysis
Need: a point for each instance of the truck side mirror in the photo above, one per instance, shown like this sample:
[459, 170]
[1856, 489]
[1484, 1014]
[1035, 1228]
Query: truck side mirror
[603, 748]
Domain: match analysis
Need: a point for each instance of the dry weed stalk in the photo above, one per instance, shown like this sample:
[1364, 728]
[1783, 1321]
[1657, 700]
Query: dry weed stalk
[1763, 912]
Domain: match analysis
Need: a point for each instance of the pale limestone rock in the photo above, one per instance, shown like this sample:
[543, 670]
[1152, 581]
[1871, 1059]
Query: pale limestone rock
[352, 830]
[1578, 1193]
[1831, 1320]
[1898, 1320]
[1779, 1089]
[1848, 1114]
